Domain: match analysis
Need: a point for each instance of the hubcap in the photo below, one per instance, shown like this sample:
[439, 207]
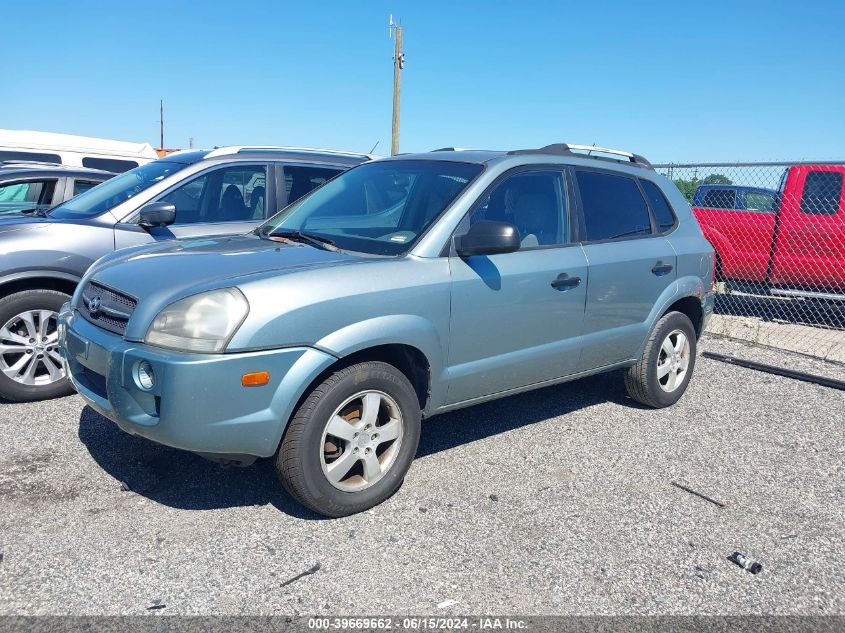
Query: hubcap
[673, 361]
[29, 352]
[361, 441]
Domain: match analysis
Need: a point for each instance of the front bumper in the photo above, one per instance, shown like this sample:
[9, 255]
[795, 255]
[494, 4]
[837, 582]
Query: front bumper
[197, 402]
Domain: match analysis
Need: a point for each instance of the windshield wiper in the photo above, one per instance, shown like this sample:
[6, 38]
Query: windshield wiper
[41, 213]
[316, 241]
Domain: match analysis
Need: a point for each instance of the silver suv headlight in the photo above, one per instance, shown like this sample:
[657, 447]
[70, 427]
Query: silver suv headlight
[201, 323]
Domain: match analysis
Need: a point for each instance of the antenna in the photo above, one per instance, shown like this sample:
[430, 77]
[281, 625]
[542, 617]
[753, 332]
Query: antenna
[374, 146]
[161, 124]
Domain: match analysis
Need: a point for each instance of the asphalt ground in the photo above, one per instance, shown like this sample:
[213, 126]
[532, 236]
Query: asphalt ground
[554, 502]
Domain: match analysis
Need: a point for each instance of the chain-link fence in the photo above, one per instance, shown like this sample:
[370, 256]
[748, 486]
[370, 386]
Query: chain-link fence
[779, 234]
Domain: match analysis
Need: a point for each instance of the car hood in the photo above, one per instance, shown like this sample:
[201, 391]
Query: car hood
[162, 273]
[18, 221]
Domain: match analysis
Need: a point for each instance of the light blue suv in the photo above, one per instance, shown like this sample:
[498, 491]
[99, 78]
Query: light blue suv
[400, 289]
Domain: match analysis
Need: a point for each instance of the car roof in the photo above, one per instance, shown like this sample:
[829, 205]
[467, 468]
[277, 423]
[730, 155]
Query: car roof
[26, 168]
[564, 153]
[245, 153]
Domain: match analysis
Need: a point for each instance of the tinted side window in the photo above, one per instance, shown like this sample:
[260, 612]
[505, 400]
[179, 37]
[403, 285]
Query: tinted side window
[35, 156]
[534, 202]
[720, 199]
[302, 180]
[613, 206]
[822, 193]
[659, 205]
[83, 185]
[109, 164]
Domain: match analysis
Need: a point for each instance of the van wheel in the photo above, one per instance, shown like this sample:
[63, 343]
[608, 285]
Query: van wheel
[351, 442]
[30, 365]
[661, 376]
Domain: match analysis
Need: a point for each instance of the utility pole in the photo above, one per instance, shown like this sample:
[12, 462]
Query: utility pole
[398, 65]
[161, 124]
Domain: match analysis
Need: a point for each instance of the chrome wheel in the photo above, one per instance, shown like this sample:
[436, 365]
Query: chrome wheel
[361, 441]
[29, 352]
[673, 361]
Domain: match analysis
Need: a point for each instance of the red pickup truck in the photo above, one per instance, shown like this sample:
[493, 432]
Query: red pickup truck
[792, 241]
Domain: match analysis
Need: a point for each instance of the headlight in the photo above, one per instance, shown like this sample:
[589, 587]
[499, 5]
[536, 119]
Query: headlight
[202, 323]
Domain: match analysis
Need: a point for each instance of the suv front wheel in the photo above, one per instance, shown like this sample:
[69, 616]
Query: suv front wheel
[352, 440]
[663, 372]
[30, 365]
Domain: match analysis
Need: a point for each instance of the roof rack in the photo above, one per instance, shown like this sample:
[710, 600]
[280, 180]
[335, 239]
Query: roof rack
[570, 149]
[237, 149]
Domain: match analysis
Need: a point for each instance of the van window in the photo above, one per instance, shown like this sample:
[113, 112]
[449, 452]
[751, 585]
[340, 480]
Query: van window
[81, 186]
[109, 164]
[822, 193]
[33, 156]
[720, 199]
[613, 206]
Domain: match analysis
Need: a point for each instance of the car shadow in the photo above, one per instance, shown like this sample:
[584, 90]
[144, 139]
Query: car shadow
[182, 480]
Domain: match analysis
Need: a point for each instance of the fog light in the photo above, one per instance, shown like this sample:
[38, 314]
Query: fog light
[145, 376]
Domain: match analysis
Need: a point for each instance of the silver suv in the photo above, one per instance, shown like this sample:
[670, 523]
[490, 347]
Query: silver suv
[403, 288]
[226, 190]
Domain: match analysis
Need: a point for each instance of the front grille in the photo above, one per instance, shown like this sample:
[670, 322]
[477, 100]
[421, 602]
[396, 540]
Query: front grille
[106, 307]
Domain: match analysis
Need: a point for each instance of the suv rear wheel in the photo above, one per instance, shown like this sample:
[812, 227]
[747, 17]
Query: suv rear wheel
[351, 442]
[30, 365]
[661, 376]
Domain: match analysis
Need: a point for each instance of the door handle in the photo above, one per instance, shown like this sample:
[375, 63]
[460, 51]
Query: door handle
[661, 269]
[565, 282]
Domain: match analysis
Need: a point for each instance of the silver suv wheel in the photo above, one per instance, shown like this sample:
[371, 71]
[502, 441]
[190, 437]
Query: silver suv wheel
[29, 352]
[673, 361]
[361, 441]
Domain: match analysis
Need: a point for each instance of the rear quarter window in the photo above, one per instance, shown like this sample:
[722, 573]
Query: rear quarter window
[663, 214]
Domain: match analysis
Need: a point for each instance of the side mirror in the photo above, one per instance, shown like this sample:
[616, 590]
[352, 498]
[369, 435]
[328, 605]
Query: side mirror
[157, 214]
[488, 238]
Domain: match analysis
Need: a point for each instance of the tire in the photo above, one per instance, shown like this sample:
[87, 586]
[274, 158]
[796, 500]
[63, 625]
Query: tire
[21, 333]
[643, 382]
[311, 462]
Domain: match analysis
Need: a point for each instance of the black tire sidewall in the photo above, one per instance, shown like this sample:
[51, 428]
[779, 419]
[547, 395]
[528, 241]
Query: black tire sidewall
[13, 305]
[672, 321]
[368, 376]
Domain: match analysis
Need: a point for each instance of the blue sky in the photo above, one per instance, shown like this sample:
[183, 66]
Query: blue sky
[674, 81]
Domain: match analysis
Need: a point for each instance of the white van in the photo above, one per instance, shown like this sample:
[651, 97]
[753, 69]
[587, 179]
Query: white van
[66, 149]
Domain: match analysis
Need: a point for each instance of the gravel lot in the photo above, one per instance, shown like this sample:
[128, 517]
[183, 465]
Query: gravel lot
[554, 502]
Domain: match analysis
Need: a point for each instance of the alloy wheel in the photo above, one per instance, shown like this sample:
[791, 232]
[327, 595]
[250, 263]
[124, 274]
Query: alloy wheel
[29, 352]
[361, 441]
[673, 361]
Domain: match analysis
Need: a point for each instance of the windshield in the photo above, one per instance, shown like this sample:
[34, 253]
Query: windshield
[379, 208]
[112, 192]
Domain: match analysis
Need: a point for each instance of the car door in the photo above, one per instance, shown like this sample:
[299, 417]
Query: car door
[810, 246]
[631, 264]
[222, 200]
[516, 317]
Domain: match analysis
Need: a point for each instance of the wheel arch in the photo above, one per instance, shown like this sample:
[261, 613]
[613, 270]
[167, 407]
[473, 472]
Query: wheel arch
[38, 280]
